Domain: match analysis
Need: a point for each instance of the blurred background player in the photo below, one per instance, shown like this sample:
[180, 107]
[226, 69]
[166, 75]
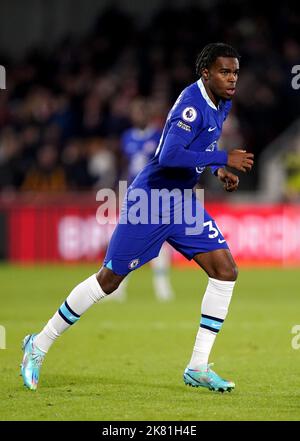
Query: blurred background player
[138, 144]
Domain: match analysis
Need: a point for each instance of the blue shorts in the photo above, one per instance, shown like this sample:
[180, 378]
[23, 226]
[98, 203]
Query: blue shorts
[133, 245]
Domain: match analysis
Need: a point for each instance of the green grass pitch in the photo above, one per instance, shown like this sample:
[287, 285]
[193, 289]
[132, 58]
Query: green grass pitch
[124, 361]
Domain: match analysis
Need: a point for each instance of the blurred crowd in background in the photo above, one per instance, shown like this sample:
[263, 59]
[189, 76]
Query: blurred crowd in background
[66, 108]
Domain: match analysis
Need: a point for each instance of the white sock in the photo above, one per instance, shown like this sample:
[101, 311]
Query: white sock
[81, 298]
[214, 309]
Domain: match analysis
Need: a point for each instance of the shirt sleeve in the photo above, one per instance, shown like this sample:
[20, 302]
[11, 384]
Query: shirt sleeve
[185, 124]
[214, 168]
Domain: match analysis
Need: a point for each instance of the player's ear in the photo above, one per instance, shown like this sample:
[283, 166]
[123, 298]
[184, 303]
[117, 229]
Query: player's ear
[205, 74]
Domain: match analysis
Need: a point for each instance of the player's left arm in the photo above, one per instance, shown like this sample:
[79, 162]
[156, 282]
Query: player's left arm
[230, 181]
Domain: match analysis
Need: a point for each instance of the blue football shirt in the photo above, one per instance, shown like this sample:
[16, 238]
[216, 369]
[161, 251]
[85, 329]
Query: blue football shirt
[188, 143]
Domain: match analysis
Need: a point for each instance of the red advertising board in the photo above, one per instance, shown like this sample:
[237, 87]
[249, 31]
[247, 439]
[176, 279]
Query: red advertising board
[256, 234]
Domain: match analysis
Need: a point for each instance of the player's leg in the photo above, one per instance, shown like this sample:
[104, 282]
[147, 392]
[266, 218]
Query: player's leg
[222, 272]
[120, 294]
[218, 264]
[81, 298]
[121, 258]
[161, 277]
[210, 250]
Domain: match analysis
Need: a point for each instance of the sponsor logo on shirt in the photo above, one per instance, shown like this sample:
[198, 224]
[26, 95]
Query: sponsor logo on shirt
[184, 126]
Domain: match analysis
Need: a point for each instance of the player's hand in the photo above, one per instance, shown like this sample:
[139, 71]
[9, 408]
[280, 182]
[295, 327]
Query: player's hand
[231, 181]
[240, 160]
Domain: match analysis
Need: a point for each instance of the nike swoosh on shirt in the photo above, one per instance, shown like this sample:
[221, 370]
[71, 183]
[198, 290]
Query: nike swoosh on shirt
[222, 240]
[210, 129]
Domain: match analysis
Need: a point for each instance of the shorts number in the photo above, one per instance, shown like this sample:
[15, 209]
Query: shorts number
[214, 230]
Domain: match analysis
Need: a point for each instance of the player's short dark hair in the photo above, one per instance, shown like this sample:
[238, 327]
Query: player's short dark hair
[211, 52]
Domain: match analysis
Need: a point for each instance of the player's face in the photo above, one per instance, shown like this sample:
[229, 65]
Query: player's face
[222, 77]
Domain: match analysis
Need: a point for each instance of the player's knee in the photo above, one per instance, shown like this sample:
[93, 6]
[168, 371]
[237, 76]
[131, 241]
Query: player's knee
[108, 280]
[227, 273]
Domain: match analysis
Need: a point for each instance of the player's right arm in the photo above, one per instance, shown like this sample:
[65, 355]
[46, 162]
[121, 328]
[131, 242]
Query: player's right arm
[174, 150]
[174, 153]
[184, 124]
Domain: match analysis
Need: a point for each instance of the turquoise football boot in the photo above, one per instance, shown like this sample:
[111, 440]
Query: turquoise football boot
[204, 376]
[31, 363]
